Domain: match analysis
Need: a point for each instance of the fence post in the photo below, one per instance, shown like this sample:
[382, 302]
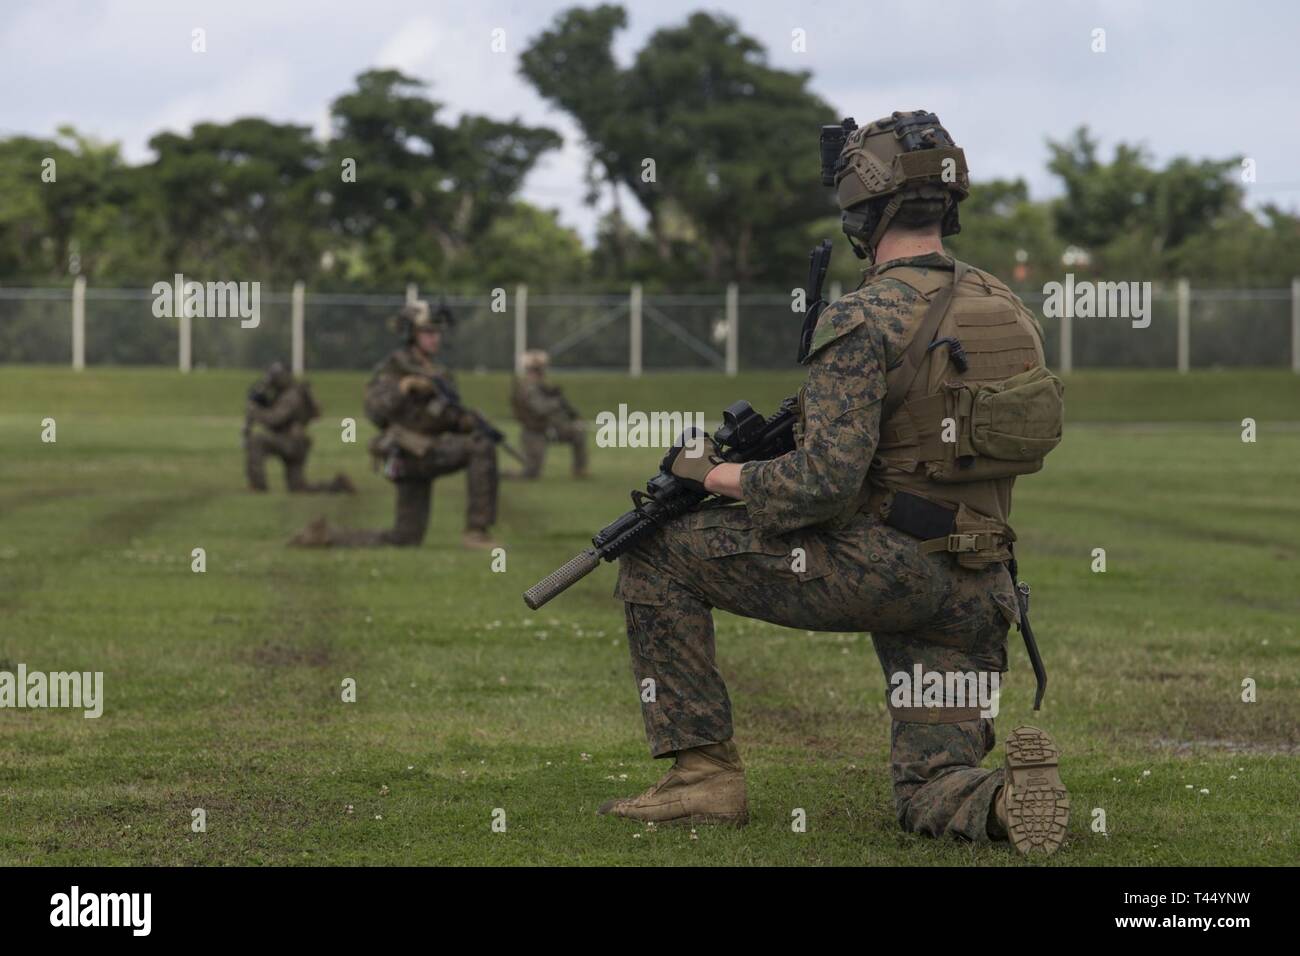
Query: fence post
[1295, 325]
[185, 339]
[733, 329]
[297, 314]
[79, 323]
[412, 292]
[1184, 325]
[634, 332]
[521, 326]
[1067, 338]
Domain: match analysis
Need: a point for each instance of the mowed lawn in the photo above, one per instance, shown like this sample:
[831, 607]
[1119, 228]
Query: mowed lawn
[223, 689]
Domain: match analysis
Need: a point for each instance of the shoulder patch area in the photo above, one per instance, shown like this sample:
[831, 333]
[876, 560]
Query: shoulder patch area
[883, 302]
[836, 321]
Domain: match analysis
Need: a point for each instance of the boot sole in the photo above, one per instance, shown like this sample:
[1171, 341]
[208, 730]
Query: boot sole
[738, 819]
[1037, 803]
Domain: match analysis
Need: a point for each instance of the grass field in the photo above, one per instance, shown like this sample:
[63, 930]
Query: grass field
[223, 688]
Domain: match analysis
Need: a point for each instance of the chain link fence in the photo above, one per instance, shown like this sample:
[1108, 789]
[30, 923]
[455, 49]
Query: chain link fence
[726, 332]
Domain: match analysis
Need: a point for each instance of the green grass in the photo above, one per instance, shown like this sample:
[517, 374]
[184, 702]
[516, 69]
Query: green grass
[223, 688]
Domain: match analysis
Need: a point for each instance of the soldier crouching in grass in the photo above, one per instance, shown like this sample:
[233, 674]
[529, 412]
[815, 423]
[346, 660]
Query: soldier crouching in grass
[426, 434]
[546, 416]
[878, 520]
[279, 409]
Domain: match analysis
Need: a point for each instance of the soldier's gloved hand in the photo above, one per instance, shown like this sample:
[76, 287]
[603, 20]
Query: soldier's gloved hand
[414, 384]
[691, 458]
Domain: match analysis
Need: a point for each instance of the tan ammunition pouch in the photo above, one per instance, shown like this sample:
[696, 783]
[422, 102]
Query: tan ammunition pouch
[400, 438]
[995, 419]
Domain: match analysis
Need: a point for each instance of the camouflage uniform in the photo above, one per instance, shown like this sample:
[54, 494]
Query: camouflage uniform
[853, 573]
[423, 439]
[280, 430]
[546, 416]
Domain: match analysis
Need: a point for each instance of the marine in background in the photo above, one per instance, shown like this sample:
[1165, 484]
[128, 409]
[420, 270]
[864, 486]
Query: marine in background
[545, 416]
[275, 423]
[426, 433]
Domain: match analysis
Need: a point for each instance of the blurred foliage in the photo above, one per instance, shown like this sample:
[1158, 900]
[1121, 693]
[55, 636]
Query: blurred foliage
[715, 145]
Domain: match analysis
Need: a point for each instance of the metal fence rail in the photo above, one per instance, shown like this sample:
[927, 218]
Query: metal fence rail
[638, 332]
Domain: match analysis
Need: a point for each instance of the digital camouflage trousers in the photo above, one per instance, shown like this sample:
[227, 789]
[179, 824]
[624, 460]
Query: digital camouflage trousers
[413, 479]
[533, 447]
[920, 609]
[293, 452]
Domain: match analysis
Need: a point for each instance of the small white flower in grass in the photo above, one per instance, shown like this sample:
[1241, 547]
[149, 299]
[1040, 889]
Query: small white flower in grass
[369, 619]
[1114, 780]
[548, 763]
[1146, 773]
[378, 816]
[622, 776]
[636, 836]
[348, 808]
[411, 767]
[502, 679]
[1241, 770]
[1232, 776]
[1203, 790]
[1189, 786]
[585, 756]
[383, 790]
[694, 835]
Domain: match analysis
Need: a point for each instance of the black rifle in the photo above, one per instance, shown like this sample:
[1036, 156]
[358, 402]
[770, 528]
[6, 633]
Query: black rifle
[261, 394]
[745, 435]
[451, 399]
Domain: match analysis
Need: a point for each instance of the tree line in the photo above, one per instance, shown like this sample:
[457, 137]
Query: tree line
[714, 144]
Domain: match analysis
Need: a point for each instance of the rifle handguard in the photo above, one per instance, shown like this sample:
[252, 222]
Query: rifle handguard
[562, 578]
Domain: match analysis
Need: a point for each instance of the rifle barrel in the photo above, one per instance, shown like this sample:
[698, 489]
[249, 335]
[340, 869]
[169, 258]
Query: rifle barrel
[562, 578]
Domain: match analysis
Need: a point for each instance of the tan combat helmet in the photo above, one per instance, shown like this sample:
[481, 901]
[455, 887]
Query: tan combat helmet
[875, 169]
[535, 360]
[418, 315]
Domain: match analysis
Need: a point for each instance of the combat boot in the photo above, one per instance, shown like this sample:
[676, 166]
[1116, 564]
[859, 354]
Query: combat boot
[477, 539]
[1033, 805]
[315, 535]
[705, 785]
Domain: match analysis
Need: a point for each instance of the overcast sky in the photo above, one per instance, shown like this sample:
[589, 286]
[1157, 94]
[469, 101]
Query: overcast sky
[1194, 78]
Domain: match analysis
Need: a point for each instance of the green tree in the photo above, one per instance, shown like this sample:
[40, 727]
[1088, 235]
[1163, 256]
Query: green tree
[423, 192]
[732, 139]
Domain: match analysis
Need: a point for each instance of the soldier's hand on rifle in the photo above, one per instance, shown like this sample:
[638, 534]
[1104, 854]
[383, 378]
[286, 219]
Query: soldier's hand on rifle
[414, 384]
[692, 458]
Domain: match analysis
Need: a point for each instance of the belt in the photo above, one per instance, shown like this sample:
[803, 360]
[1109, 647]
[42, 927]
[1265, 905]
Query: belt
[933, 523]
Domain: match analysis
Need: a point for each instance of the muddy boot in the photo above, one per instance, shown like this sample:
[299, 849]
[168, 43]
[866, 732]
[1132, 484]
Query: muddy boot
[1033, 806]
[342, 484]
[477, 539]
[706, 785]
[315, 535]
